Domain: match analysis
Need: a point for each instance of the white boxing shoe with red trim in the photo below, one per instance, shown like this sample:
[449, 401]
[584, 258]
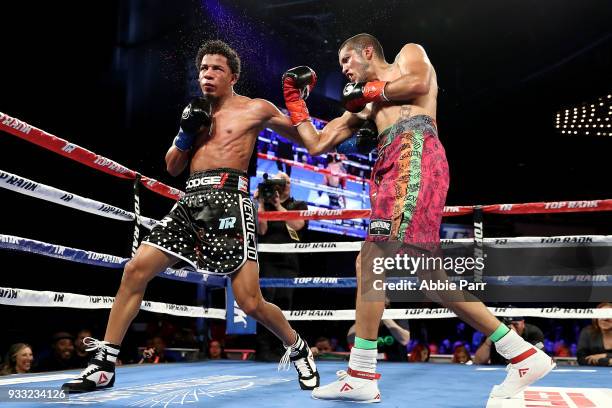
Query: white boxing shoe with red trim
[351, 385]
[523, 370]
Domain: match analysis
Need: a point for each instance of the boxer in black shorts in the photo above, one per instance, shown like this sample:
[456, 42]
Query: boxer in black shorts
[212, 228]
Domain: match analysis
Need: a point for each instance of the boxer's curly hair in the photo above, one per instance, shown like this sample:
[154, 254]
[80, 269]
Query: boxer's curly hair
[220, 48]
[360, 41]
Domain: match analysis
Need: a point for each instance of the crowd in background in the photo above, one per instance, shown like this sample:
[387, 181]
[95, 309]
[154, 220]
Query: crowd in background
[591, 345]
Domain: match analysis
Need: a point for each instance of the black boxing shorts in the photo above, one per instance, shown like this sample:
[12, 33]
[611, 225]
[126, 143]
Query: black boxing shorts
[212, 228]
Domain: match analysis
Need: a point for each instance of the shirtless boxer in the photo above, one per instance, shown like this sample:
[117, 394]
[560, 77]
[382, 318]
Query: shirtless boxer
[410, 180]
[212, 228]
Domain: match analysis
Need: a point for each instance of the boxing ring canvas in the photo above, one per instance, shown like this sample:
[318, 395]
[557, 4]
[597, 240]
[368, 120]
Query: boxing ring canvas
[237, 384]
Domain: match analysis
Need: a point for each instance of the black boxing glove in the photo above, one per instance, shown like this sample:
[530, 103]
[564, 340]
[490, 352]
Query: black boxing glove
[356, 95]
[363, 142]
[196, 115]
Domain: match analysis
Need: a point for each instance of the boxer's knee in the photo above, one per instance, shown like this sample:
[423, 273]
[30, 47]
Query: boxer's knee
[135, 275]
[251, 305]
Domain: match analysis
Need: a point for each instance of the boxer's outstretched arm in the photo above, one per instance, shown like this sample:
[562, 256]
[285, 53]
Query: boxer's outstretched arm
[305, 133]
[416, 71]
[335, 132]
[274, 119]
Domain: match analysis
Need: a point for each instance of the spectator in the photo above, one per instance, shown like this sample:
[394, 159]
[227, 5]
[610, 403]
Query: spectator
[322, 346]
[461, 356]
[334, 164]
[81, 355]
[278, 265]
[18, 359]
[155, 352]
[419, 354]
[433, 348]
[215, 350]
[532, 334]
[62, 355]
[595, 342]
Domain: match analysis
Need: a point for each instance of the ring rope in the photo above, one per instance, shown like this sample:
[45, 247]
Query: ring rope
[60, 146]
[32, 298]
[11, 242]
[31, 188]
[39, 137]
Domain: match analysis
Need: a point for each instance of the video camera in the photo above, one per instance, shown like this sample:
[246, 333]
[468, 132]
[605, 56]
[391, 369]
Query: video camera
[269, 186]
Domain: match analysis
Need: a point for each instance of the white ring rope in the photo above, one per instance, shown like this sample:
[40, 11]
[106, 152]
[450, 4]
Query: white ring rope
[32, 298]
[31, 188]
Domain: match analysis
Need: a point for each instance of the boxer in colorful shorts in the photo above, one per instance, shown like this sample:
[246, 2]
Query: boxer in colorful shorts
[211, 228]
[409, 184]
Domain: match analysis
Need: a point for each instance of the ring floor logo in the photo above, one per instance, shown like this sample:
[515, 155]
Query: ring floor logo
[181, 392]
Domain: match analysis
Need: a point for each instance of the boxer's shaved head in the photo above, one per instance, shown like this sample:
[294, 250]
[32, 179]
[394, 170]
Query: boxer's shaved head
[361, 41]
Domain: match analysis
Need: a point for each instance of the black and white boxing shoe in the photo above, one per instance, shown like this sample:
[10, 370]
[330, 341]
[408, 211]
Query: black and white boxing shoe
[300, 355]
[100, 373]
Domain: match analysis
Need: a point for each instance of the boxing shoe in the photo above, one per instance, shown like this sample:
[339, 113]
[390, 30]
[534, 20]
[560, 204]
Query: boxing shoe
[300, 355]
[100, 373]
[351, 385]
[523, 370]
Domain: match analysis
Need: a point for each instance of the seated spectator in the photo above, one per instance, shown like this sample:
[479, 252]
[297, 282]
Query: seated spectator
[532, 334]
[322, 346]
[155, 352]
[433, 348]
[561, 350]
[81, 355]
[461, 356]
[334, 164]
[215, 350]
[62, 355]
[18, 359]
[595, 342]
[419, 354]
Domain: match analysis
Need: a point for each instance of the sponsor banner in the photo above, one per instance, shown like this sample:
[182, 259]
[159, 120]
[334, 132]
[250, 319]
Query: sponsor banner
[236, 321]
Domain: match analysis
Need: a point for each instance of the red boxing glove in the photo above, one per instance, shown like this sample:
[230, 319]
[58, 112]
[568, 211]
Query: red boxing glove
[355, 96]
[297, 84]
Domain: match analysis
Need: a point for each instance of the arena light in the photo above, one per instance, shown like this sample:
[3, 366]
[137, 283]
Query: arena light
[584, 116]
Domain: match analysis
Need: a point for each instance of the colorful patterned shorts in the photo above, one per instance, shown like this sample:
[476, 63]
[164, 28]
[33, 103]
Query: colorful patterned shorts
[409, 183]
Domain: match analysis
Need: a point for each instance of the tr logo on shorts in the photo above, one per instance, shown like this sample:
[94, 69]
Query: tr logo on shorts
[227, 223]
